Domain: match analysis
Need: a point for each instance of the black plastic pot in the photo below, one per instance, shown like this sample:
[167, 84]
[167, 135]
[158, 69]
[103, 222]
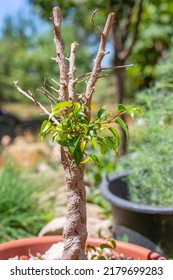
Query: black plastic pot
[155, 223]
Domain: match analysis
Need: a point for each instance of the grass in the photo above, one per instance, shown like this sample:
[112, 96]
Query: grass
[21, 214]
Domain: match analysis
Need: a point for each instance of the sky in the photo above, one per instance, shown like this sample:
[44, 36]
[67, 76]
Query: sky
[11, 7]
[16, 7]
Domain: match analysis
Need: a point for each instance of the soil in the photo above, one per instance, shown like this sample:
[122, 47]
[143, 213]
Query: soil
[55, 253]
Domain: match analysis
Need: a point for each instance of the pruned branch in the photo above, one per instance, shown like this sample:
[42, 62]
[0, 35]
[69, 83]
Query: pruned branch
[99, 57]
[60, 58]
[72, 70]
[30, 96]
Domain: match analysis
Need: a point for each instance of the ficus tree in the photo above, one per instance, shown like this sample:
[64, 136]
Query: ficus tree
[74, 128]
[124, 34]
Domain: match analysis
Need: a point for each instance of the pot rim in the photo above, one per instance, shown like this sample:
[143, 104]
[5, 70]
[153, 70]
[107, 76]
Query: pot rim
[126, 204]
[122, 246]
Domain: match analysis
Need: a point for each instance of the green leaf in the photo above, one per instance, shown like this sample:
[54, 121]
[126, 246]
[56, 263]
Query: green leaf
[83, 145]
[102, 258]
[131, 110]
[115, 133]
[63, 105]
[102, 143]
[78, 155]
[103, 246]
[113, 243]
[123, 125]
[102, 113]
[91, 247]
[63, 143]
[111, 143]
[85, 128]
[77, 107]
[73, 144]
[95, 159]
[94, 257]
[139, 109]
[94, 142]
[45, 127]
[86, 160]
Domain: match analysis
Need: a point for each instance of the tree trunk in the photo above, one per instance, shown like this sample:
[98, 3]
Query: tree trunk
[75, 231]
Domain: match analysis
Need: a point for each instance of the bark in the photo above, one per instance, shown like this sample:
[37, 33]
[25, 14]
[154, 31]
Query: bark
[75, 230]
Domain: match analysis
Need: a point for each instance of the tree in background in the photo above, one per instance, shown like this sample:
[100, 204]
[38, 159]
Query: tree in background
[147, 24]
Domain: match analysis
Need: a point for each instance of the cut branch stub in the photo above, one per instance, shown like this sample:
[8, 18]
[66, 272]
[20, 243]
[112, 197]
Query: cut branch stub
[97, 61]
[60, 58]
[72, 70]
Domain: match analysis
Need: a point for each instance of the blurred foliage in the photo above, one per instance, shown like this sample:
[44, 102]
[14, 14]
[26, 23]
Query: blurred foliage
[21, 213]
[150, 150]
[25, 55]
[154, 38]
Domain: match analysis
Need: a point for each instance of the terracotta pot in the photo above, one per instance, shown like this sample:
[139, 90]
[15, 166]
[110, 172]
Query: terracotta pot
[41, 244]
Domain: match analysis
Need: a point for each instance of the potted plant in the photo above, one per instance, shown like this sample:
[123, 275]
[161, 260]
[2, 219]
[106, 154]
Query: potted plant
[71, 125]
[141, 191]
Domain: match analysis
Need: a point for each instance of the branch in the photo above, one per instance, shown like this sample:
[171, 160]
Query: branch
[46, 93]
[97, 62]
[127, 51]
[60, 58]
[72, 70]
[32, 98]
[115, 67]
[93, 21]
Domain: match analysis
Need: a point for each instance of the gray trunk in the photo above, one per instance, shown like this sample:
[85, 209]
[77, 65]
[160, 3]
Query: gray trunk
[75, 231]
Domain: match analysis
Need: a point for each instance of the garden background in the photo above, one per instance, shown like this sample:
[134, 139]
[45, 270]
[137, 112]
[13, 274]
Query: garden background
[30, 170]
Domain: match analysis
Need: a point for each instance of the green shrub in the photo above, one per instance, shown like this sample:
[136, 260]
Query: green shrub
[152, 151]
[20, 212]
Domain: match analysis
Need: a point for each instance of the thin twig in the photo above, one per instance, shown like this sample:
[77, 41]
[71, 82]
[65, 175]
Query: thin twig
[47, 94]
[32, 98]
[93, 21]
[116, 67]
[54, 89]
[56, 82]
[83, 76]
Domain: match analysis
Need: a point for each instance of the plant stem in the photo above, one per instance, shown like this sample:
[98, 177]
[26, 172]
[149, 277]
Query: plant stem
[75, 230]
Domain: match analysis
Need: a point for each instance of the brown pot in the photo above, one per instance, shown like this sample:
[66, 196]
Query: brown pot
[41, 244]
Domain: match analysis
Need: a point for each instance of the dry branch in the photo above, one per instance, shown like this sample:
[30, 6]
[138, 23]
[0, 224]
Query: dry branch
[72, 70]
[99, 57]
[60, 58]
[32, 98]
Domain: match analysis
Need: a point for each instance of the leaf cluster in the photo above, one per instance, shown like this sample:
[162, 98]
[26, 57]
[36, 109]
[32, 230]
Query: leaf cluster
[103, 252]
[75, 132]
